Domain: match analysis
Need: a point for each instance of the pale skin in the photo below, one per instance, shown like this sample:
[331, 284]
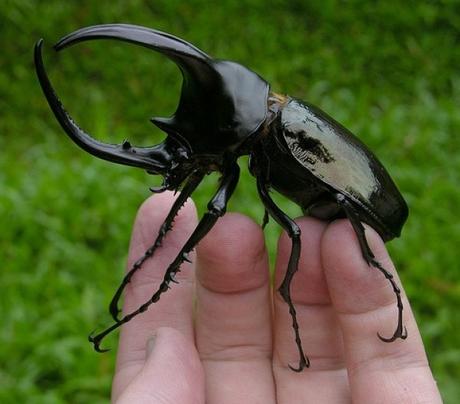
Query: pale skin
[223, 334]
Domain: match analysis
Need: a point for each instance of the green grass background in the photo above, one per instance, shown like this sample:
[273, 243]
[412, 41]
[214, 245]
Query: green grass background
[387, 70]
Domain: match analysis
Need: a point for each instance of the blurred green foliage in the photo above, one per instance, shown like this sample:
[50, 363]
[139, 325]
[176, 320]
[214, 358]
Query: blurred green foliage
[387, 70]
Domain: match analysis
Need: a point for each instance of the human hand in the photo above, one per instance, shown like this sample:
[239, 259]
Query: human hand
[235, 345]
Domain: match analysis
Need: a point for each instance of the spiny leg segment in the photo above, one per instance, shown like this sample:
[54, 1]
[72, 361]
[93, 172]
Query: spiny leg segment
[216, 208]
[368, 255]
[293, 232]
[191, 184]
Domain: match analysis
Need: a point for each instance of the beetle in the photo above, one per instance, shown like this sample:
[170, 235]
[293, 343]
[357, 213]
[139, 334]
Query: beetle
[226, 111]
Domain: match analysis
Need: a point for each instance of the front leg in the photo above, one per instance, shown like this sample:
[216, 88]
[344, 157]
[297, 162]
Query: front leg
[191, 184]
[216, 208]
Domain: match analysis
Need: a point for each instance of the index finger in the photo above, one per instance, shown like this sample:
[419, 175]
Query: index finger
[174, 309]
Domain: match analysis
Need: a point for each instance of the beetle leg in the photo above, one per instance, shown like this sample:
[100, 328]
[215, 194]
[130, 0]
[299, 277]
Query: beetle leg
[293, 231]
[189, 187]
[216, 208]
[368, 255]
[266, 219]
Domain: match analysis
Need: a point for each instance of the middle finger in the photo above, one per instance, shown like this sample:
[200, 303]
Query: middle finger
[326, 379]
[233, 319]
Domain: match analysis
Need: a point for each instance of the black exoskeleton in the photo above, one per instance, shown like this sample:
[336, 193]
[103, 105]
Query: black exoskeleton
[226, 111]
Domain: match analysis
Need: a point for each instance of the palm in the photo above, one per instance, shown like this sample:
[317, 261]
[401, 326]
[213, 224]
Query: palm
[236, 345]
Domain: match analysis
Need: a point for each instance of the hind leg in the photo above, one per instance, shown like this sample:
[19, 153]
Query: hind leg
[368, 255]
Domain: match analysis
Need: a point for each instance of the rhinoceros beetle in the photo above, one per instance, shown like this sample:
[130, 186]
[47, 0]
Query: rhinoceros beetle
[226, 111]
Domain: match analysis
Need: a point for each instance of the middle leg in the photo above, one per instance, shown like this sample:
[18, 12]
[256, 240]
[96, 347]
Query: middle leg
[293, 232]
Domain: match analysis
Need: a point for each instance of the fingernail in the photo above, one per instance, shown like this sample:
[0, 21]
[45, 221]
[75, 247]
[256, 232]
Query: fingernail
[150, 345]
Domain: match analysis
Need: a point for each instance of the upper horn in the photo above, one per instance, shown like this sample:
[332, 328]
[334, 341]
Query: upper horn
[191, 60]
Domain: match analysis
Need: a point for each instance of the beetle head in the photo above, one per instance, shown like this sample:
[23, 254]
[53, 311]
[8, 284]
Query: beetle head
[222, 103]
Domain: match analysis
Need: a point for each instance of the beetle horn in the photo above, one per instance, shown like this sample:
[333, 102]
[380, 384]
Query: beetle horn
[200, 76]
[155, 159]
[216, 95]
[177, 49]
